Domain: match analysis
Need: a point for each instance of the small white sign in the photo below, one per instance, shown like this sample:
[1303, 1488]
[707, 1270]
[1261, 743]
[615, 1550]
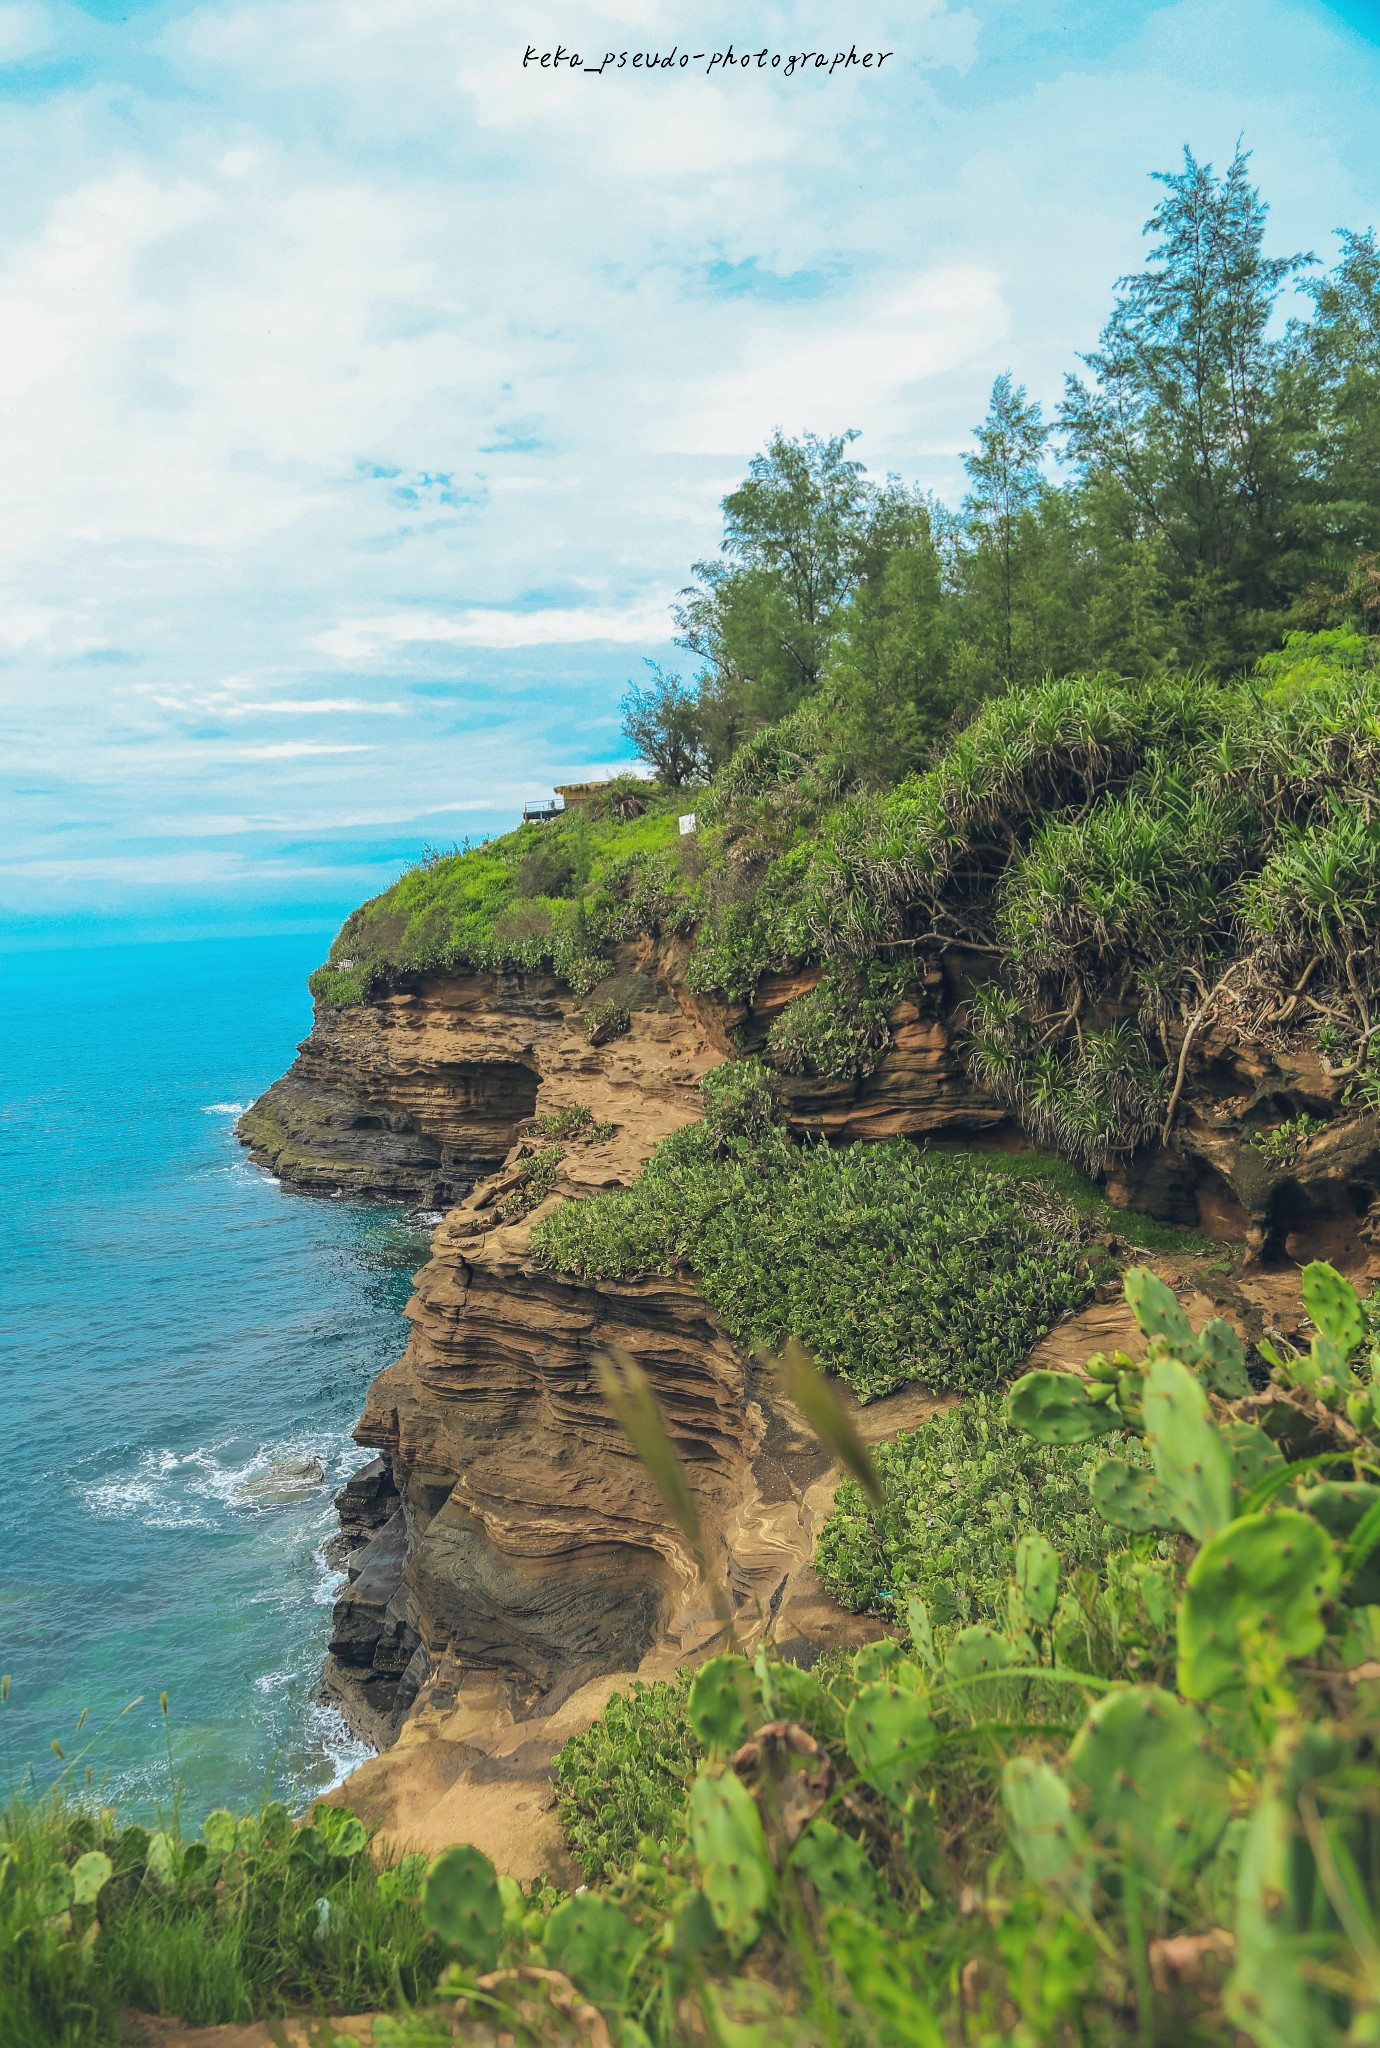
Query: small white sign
[687, 823]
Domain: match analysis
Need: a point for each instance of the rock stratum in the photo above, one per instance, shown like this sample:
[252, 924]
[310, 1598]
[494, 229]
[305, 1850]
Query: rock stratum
[510, 1561]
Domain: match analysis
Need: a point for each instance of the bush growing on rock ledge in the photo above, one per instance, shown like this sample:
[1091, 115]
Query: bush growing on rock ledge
[890, 1264]
[958, 1493]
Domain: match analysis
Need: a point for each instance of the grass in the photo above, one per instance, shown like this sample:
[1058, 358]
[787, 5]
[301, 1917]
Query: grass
[547, 896]
[249, 1916]
[1065, 1181]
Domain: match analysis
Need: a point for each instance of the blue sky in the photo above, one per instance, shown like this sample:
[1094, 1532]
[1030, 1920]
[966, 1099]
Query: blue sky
[365, 398]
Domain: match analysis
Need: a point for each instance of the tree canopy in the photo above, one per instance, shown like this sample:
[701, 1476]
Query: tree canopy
[1209, 484]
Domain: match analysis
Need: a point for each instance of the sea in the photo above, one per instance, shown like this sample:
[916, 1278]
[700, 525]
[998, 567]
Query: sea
[184, 1348]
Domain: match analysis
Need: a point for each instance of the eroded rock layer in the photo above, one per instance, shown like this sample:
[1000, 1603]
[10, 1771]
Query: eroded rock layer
[510, 1560]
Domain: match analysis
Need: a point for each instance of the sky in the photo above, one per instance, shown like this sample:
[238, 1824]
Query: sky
[366, 394]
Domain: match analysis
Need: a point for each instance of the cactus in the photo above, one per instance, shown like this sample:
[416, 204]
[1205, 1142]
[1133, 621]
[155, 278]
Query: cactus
[160, 1863]
[837, 1867]
[731, 1849]
[220, 1829]
[589, 1939]
[1037, 1580]
[1059, 1408]
[717, 1708]
[463, 1907]
[1156, 1309]
[876, 1660]
[54, 1895]
[1049, 1837]
[1341, 1505]
[974, 1651]
[350, 1838]
[88, 1874]
[921, 1633]
[1150, 1782]
[1129, 1497]
[1258, 1587]
[1334, 1307]
[1218, 1353]
[1252, 1453]
[889, 1736]
[308, 1844]
[1192, 1465]
[1266, 1994]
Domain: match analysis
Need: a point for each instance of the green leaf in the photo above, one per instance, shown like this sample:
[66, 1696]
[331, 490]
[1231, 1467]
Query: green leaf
[1265, 1994]
[1256, 1590]
[1049, 1837]
[721, 1697]
[595, 1945]
[351, 1839]
[463, 1907]
[1349, 1510]
[731, 1850]
[1055, 1408]
[1252, 1453]
[1156, 1308]
[974, 1652]
[54, 1894]
[889, 1735]
[1037, 1578]
[219, 1829]
[1129, 1497]
[89, 1873]
[1192, 1464]
[1334, 1307]
[1150, 1780]
[839, 1868]
[1218, 1353]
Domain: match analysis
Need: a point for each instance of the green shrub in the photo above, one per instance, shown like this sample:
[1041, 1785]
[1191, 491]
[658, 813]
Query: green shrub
[542, 897]
[571, 1120]
[538, 1177]
[605, 1020]
[839, 1029]
[957, 1494]
[889, 1264]
[739, 1101]
[626, 1779]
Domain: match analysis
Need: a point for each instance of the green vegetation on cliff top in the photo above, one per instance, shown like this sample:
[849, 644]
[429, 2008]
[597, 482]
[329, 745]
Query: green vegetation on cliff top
[1106, 741]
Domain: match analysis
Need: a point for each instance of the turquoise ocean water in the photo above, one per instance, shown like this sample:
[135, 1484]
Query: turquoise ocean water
[172, 1322]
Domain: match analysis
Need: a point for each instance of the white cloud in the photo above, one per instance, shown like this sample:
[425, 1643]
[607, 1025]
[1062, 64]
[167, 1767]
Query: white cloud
[290, 750]
[338, 350]
[366, 639]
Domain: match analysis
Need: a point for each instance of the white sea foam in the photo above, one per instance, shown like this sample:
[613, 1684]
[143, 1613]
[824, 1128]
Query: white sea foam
[224, 1108]
[182, 1489]
[343, 1749]
[274, 1681]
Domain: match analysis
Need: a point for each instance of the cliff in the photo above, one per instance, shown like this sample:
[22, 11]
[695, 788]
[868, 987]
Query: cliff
[510, 1560]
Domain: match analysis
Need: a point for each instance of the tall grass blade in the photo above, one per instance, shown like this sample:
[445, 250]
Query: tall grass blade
[806, 1388]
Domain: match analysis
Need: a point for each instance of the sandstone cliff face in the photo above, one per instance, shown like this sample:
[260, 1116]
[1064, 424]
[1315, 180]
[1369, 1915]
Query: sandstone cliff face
[510, 1559]
[507, 1537]
[419, 1093]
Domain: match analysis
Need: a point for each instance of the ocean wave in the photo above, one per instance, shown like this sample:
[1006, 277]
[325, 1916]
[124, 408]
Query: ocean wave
[224, 1108]
[182, 1489]
[344, 1751]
